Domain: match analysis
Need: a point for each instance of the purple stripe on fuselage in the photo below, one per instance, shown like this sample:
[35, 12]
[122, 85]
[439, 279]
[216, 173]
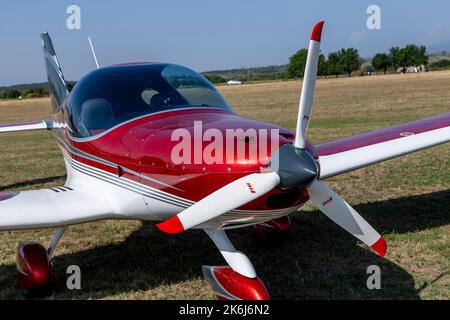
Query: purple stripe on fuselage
[7, 195]
[19, 124]
[383, 135]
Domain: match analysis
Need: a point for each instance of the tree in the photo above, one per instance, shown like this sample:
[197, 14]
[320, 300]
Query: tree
[415, 55]
[13, 94]
[322, 69]
[412, 55]
[70, 85]
[394, 57]
[214, 79]
[297, 64]
[381, 62]
[350, 60]
[440, 64]
[334, 66]
[423, 56]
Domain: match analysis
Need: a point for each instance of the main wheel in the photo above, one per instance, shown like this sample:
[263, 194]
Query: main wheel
[34, 268]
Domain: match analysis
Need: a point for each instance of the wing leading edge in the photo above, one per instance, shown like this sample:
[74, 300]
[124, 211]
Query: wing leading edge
[351, 153]
[26, 126]
[49, 208]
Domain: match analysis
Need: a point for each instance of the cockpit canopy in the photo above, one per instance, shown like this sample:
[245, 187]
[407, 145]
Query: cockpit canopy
[109, 96]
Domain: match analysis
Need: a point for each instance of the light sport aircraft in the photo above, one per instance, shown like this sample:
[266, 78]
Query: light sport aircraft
[114, 130]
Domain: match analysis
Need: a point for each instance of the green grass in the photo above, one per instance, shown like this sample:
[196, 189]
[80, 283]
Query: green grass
[406, 199]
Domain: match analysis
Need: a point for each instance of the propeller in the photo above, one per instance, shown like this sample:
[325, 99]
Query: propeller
[309, 84]
[339, 211]
[227, 198]
[290, 166]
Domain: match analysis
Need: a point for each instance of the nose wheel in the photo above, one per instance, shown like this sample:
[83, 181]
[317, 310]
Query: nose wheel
[230, 285]
[238, 280]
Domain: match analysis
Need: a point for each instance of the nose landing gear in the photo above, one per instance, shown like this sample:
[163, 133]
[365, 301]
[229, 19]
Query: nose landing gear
[238, 280]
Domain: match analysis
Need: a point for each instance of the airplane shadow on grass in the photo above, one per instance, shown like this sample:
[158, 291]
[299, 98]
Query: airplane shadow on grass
[317, 260]
[33, 182]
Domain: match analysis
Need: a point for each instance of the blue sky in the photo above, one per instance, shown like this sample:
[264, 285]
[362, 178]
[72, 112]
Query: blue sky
[204, 35]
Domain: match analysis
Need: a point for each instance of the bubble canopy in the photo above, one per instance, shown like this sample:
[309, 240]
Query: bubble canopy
[109, 96]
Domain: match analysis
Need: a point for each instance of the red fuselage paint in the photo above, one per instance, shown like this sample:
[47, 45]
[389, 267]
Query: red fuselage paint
[144, 146]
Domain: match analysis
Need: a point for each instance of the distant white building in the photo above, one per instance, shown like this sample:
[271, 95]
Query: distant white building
[412, 69]
[234, 83]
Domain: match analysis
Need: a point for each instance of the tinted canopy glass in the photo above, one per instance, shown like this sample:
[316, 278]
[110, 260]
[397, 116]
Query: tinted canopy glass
[110, 96]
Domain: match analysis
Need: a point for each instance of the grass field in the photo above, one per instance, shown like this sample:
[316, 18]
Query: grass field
[407, 200]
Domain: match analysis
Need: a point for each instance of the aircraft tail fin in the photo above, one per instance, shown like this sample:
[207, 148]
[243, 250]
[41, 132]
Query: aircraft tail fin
[57, 83]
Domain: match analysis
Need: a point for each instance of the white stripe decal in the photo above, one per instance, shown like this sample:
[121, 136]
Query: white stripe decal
[88, 156]
[155, 193]
[126, 183]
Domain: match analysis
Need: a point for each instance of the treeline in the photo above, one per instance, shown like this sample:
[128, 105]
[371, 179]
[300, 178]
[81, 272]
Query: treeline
[247, 74]
[348, 61]
[30, 93]
[27, 91]
[440, 64]
[399, 59]
[30, 90]
[411, 58]
[340, 62]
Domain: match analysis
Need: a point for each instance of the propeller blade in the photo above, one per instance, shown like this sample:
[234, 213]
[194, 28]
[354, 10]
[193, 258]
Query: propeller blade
[227, 198]
[338, 210]
[309, 83]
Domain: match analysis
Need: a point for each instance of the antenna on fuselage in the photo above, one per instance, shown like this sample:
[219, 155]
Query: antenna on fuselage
[93, 52]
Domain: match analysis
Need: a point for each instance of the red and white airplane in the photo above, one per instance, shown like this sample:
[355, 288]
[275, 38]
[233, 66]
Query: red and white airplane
[115, 132]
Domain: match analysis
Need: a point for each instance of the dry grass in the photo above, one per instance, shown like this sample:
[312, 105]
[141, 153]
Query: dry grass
[405, 199]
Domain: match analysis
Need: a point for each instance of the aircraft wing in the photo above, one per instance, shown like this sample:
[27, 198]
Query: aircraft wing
[347, 154]
[25, 126]
[49, 208]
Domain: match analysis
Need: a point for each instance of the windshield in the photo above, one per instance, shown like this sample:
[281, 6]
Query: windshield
[110, 96]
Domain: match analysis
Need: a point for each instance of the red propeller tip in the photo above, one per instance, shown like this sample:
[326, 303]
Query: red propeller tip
[171, 226]
[380, 246]
[316, 34]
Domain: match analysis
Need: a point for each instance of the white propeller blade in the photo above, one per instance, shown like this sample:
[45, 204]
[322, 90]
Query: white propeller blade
[309, 83]
[335, 208]
[227, 198]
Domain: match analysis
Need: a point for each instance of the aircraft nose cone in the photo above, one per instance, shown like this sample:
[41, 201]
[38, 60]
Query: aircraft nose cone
[295, 166]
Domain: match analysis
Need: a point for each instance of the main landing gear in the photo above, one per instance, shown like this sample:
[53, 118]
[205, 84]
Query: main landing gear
[35, 271]
[238, 280]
